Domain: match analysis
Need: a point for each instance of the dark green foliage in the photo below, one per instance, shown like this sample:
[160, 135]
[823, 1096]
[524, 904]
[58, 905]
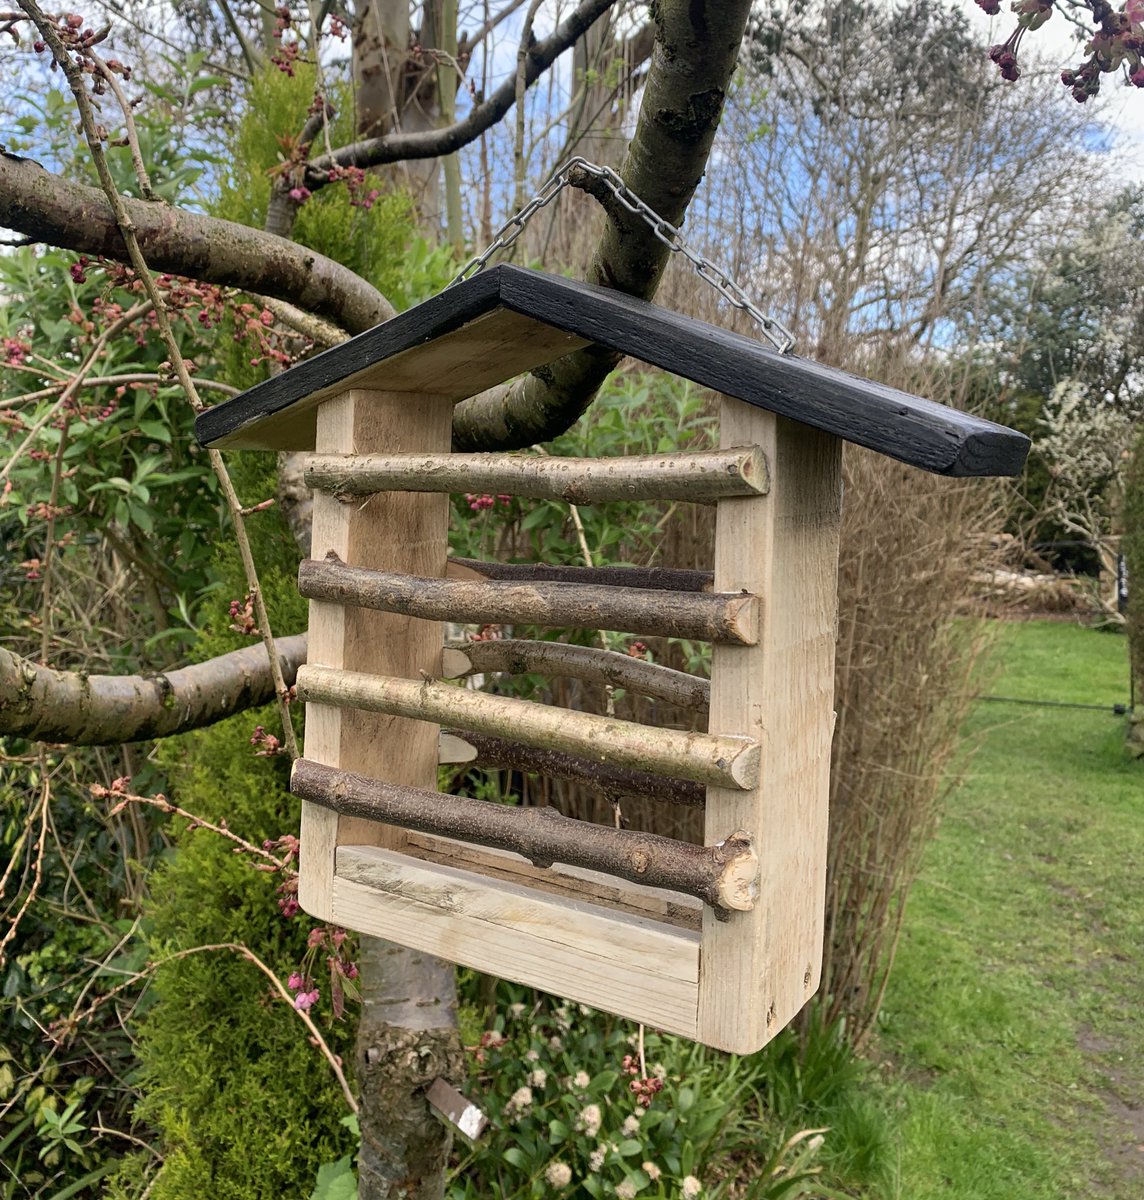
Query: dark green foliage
[244, 1105]
[378, 242]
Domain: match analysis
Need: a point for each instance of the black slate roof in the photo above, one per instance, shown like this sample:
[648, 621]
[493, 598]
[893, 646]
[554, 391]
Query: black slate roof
[920, 432]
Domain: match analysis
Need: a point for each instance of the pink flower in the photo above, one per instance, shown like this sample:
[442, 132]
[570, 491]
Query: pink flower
[305, 1000]
[296, 982]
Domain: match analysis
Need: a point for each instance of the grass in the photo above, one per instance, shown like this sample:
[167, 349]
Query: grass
[1011, 1047]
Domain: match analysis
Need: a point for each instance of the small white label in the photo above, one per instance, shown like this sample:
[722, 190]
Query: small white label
[470, 1122]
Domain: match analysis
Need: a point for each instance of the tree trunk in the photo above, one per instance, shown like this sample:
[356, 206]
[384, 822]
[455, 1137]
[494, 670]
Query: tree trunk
[407, 1038]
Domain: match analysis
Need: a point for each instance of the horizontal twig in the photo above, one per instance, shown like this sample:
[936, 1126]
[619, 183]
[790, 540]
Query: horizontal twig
[723, 760]
[711, 617]
[723, 876]
[520, 656]
[705, 475]
[613, 781]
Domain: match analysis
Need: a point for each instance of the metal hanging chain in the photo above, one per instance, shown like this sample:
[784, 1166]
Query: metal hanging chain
[774, 331]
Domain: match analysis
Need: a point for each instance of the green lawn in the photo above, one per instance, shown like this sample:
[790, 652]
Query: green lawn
[1012, 1042]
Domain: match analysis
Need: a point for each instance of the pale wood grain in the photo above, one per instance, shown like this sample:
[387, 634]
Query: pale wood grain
[620, 963]
[578, 883]
[760, 968]
[400, 532]
[483, 352]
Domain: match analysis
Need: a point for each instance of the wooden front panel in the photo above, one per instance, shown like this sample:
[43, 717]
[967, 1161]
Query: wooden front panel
[393, 531]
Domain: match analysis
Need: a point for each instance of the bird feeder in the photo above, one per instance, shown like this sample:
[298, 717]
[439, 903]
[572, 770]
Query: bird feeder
[720, 942]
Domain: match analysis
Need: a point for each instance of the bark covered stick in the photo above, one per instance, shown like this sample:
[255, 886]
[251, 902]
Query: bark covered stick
[722, 876]
[730, 618]
[107, 710]
[705, 475]
[606, 777]
[667, 579]
[724, 760]
[520, 656]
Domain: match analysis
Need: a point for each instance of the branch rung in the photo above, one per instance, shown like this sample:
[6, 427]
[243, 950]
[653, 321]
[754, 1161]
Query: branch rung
[730, 618]
[704, 476]
[722, 876]
[520, 656]
[722, 760]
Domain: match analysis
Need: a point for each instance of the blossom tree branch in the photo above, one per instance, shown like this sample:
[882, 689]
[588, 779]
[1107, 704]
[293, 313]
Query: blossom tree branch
[63, 40]
[46, 207]
[109, 710]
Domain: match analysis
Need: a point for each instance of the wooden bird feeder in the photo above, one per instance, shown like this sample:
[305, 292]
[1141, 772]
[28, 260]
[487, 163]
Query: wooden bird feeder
[720, 942]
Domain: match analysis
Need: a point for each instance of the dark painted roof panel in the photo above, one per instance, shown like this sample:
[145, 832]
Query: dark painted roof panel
[920, 432]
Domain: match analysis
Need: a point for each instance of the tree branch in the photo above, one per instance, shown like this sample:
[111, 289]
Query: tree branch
[696, 48]
[611, 780]
[106, 710]
[722, 875]
[431, 143]
[49, 208]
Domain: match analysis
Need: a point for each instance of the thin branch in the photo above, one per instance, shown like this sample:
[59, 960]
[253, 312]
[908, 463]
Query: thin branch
[74, 383]
[38, 871]
[607, 778]
[397, 147]
[606, 667]
[123, 799]
[719, 875]
[518, 99]
[468, 43]
[114, 381]
[245, 952]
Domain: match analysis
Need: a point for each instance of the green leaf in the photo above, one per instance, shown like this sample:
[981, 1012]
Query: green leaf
[156, 431]
[336, 1181]
[516, 1157]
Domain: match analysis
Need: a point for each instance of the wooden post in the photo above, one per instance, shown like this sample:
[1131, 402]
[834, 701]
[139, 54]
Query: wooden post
[783, 548]
[390, 531]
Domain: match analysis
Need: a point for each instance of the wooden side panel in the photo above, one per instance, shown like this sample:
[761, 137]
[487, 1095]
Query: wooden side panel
[389, 531]
[760, 967]
[623, 964]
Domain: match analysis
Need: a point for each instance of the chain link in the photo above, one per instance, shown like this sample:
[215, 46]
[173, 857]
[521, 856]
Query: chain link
[775, 332]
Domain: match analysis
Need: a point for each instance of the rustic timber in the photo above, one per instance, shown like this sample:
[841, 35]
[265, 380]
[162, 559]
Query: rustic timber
[727, 760]
[669, 579]
[522, 656]
[707, 617]
[574, 883]
[400, 532]
[722, 876]
[621, 963]
[507, 320]
[702, 476]
[484, 750]
[780, 692]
